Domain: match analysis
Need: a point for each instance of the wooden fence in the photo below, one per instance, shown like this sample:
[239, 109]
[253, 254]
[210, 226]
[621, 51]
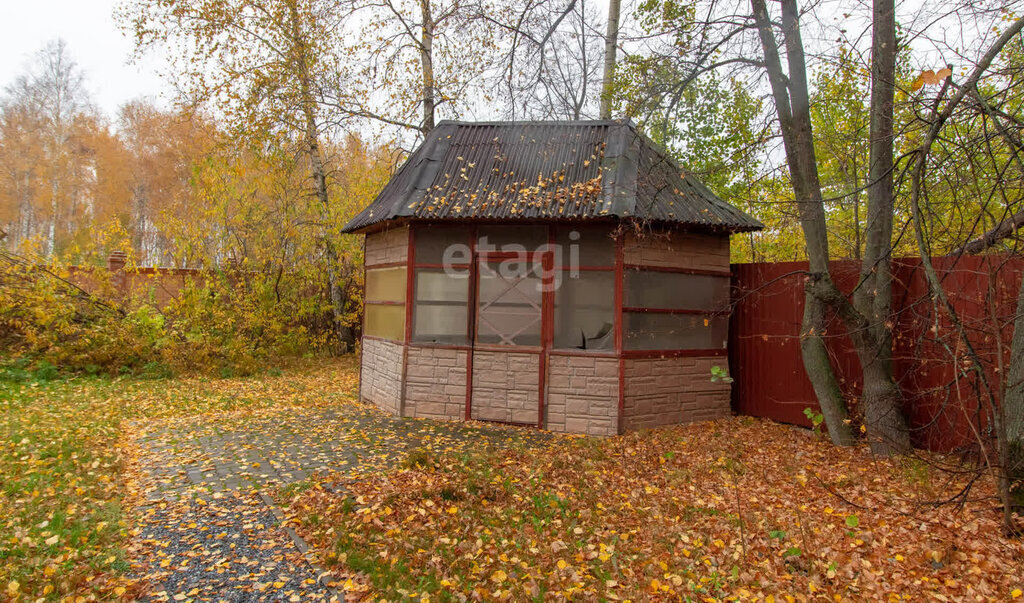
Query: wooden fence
[947, 409]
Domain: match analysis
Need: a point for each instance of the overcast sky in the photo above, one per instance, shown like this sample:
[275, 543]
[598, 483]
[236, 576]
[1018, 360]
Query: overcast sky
[93, 38]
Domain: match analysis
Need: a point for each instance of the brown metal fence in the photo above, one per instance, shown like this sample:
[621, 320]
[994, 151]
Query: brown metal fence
[946, 407]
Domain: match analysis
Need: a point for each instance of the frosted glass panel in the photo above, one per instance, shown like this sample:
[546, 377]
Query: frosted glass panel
[675, 291]
[654, 331]
[509, 238]
[438, 285]
[385, 321]
[439, 323]
[386, 284]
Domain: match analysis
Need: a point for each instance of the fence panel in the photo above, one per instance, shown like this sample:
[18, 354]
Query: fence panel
[947, 409]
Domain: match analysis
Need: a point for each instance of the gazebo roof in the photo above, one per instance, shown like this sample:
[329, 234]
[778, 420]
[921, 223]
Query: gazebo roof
[567, 170]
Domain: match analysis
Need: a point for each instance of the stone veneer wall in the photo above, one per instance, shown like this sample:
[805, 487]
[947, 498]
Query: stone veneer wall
[583, 395]
[436, 383]
[381, 374]
[505, 386]
[387, 246]
[678, 250]
[668, 391]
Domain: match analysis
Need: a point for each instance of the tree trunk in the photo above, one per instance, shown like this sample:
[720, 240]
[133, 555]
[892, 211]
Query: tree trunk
[427, 62]
[867, 324]
[611, 45]
[819, 371]
[1013, 411]
[342, 331]
[793, 109]
[882, 400]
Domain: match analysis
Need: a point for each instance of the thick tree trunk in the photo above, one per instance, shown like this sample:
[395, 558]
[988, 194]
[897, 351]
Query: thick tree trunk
[611, 44]
[882, 399]
[868, 323]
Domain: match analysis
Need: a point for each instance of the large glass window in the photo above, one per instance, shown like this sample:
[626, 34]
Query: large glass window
[385, 303]
[674, 311]
[585, 311]
[440, 311]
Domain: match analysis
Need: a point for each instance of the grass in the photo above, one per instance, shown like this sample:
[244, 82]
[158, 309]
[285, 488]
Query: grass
[734, 509]
[64, 458]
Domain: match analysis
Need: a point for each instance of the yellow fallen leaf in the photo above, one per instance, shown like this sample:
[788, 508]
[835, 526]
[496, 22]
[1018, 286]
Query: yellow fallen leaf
[1015, 593]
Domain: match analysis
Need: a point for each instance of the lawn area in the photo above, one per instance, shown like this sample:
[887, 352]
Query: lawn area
[65, 483]
[734, 509]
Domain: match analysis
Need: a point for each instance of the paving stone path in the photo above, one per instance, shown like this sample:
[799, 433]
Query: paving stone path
[206, 533]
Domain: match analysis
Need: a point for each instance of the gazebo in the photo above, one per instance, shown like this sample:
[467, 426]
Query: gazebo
[566, 275]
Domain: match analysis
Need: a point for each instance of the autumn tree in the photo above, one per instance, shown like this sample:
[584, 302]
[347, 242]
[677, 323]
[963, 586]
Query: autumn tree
[265, 66]
[46, 123]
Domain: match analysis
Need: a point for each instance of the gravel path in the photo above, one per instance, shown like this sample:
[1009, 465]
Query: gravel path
[204, 533]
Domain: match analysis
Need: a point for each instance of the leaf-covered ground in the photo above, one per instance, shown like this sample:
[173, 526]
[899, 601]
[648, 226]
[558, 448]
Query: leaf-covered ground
[738, 508]
[65, 456]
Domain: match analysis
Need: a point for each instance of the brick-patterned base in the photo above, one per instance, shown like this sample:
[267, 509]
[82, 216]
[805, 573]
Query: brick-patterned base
[668, 391]
[381, 374]
[506, 387]
[436, 383]
[583, 395]
[582, 392]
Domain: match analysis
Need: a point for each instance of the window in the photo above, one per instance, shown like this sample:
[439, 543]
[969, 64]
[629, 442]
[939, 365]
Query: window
[385, 303]
[440, 309]
[674, 311]
[585, 311]
[675, 291]
[440, 244]
[385, 285]
[585, 246]
[385, 321]
[668, 331]
[509, 307]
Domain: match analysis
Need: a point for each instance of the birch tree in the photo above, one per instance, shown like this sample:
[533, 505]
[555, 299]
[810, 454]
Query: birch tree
[266, 66]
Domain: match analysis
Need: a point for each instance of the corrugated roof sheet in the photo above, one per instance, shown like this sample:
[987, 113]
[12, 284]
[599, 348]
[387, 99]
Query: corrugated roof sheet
[546, 170]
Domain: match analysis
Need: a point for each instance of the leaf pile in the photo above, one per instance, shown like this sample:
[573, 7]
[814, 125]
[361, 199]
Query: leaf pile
[736, 508]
